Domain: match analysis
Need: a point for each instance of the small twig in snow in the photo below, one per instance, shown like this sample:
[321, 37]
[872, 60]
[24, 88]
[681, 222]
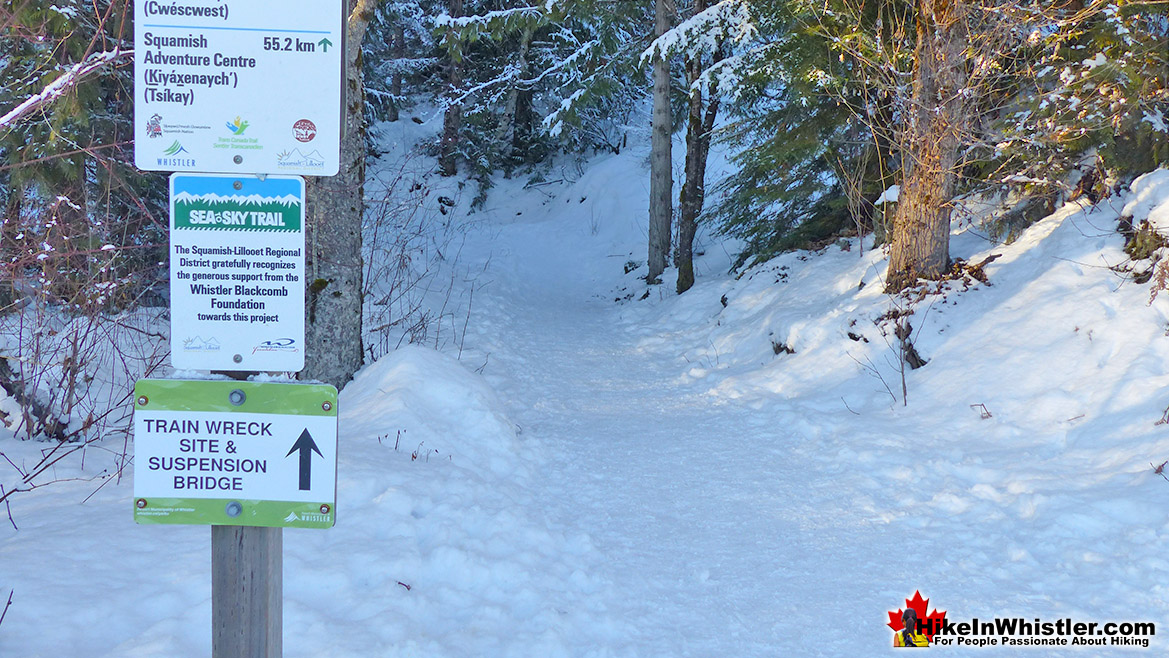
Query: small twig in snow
[7, 605]
[1160, 470]
[8, 508]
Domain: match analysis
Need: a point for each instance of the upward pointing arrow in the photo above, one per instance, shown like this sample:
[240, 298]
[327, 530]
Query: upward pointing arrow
[325, 43]
[306, 446]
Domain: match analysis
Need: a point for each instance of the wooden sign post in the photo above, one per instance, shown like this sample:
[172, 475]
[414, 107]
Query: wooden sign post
[247, 590]
[248, 459]
[253, 88]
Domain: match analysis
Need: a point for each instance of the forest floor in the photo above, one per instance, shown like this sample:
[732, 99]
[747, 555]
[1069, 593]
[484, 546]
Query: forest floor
[591, 466]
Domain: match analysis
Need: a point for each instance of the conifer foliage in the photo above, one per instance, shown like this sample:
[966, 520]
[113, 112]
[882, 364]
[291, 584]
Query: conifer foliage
[81, 225]
[538, 77]
[1018, 94]
[83, 237]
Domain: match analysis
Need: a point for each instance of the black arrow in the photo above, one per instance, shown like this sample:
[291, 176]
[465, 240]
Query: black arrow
[306, 446]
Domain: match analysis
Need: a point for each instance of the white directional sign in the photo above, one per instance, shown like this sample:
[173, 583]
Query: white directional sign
[237, 273]
[238, 86]
[235, 453]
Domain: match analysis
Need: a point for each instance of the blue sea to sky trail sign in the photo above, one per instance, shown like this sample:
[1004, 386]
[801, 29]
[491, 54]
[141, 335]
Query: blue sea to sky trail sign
[237, 273]
[246, 86]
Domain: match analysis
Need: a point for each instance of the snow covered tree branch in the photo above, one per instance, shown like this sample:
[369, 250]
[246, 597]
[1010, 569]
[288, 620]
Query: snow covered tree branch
[704, 33]
[95, 63]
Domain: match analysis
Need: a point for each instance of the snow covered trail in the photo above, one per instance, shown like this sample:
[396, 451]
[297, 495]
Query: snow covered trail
[707, 536]
[717, 537]
[781, 505]
[678, 485]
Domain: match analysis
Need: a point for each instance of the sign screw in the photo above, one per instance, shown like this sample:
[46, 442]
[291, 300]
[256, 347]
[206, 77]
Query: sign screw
[324, 509]
[237, 358]
[142, 400]
[239, 159]
[238, 185]
[327, 406]
[236, 397]
[141, 503]
[234, 509]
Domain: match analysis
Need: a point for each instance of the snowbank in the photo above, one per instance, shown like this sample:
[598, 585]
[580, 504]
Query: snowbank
[439, 549]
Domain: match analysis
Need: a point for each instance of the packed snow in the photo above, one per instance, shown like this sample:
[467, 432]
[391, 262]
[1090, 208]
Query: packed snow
[598, 467]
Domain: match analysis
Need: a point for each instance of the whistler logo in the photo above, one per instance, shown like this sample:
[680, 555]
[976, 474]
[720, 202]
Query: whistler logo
[175, 149]
[300, 160]
[278, 345]
[197, 344]
[172, 154]
[307, 517]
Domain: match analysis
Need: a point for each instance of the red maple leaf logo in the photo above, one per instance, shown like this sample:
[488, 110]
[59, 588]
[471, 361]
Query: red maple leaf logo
[930, 623]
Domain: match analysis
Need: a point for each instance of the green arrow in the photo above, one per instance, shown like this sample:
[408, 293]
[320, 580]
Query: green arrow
[325, 43]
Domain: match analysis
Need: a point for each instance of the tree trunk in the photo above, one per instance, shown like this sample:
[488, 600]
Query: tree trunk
[698, 135]
[452, 119]
[505, 134]
[9, 253]
[336, 207]
[661, 183]
[921, 226]
[525, 126]
[398, 50]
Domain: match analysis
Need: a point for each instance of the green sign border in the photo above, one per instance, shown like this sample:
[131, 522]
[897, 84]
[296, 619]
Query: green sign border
[212, 395]
[286, 399]
[213, 511]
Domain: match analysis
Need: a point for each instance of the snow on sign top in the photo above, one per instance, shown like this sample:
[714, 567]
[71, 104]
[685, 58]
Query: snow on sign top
[235, 86]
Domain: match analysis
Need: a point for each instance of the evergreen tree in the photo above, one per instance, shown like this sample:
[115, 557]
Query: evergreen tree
[564, 70]
[453, 113]
[1091, 83]
[78, 217]
[661, 181]
[796, 133]
[702, 41]
[1034, 88]
[399, 56]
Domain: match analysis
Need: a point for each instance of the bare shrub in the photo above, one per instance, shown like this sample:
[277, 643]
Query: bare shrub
[415, 289]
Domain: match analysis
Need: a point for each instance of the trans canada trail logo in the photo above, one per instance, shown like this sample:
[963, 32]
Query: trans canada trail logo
[237, 127]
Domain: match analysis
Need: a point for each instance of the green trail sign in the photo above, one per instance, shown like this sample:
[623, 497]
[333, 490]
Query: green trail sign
[235, 453]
